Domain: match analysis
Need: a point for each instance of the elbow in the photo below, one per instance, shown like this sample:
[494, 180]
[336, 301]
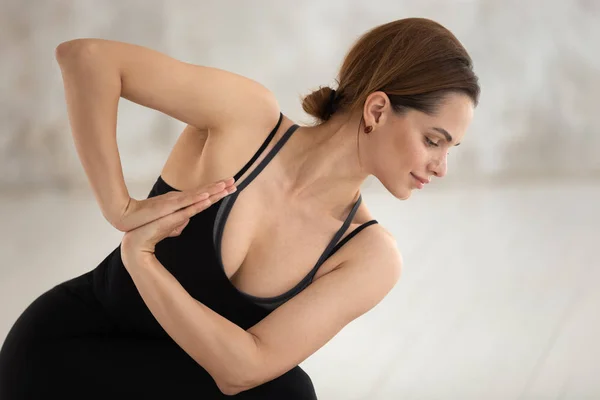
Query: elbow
[237, 381]
[75, 49]
[66, 49]
[232, 387]
[244, 371]
[229, 390]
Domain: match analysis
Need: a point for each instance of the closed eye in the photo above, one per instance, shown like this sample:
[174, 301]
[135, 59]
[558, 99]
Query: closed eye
[430, 142]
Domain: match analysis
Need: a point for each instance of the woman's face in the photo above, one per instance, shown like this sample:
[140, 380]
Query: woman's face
[405, 151]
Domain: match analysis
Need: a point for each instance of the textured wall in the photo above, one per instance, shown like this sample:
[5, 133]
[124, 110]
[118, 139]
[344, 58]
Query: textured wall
[536, 61]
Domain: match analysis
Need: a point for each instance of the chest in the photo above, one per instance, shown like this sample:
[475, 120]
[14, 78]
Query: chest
[269, 245]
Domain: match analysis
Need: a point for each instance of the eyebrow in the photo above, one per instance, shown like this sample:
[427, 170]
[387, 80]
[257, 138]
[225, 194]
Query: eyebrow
[446, 135]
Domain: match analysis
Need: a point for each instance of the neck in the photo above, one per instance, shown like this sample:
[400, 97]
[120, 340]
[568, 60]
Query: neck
[325, 165]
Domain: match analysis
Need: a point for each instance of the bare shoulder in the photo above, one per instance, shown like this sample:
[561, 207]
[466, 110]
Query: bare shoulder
[377, 244]
[375, 258]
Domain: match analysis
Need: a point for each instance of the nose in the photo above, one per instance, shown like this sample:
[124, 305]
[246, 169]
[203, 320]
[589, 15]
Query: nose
[439, 167]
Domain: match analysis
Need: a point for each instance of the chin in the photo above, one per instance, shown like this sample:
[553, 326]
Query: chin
[405, 195]
[399, 191]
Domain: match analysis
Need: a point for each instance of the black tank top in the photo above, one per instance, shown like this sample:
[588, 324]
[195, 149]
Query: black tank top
[194, 259]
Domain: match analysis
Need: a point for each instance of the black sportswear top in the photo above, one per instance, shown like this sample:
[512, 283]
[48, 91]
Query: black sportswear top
[194, 259]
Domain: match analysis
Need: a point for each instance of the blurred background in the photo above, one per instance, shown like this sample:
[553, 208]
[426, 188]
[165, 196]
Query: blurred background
[498, 298]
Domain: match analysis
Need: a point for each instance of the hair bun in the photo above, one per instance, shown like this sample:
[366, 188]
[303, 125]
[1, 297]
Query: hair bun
[320, 103]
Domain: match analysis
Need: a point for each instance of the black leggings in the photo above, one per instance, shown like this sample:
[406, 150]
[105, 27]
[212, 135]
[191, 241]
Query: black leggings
[65, 346]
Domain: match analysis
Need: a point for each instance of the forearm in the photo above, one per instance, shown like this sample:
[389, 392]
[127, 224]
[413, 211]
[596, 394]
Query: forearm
[92, 92]
[225, 350]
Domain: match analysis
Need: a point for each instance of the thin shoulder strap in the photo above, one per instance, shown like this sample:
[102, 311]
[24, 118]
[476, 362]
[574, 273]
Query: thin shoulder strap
[268, 158]
[227, 202]
[351, 235]
[273, 302]
[336, 237]
[261, 149]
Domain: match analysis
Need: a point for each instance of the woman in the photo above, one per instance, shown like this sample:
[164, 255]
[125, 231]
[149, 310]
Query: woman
[222, 289]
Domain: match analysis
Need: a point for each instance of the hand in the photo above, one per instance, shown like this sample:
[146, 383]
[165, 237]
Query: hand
[141, 241]
[140, 212]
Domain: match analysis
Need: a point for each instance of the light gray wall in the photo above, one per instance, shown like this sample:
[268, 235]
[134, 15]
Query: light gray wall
[537, 62]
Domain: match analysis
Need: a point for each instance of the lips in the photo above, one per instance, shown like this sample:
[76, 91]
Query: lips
[422, 180]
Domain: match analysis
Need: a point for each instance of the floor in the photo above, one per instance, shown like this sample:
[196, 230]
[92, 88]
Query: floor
[499, 296]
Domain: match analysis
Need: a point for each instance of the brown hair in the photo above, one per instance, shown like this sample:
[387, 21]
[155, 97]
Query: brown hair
[415, 61]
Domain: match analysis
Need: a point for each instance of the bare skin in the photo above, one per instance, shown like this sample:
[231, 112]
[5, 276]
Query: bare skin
[304, 223]
[312, 182]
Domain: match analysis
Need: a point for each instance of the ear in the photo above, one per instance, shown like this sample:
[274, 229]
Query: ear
[376, 108]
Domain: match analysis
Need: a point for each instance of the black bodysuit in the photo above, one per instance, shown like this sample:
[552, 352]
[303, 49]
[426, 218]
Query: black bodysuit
[94, 337]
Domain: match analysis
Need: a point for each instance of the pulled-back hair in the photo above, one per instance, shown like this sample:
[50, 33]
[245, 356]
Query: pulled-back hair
[415, 61]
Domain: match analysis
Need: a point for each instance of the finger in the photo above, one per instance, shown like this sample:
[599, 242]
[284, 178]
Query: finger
[214, 197]
[223, 193]
[169, 203]
[190, 197]
[170, 224]
[194, 196]
[191, 206]
[175, 222]
[202, 205]
[219, 183]
[229, 181]
[217, 186]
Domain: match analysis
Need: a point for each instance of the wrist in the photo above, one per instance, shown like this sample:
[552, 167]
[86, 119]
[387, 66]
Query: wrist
[116, 212]
[133, 257]
[145, 257]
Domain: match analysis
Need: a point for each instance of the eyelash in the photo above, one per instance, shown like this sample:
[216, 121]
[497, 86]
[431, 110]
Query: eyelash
[430, 142]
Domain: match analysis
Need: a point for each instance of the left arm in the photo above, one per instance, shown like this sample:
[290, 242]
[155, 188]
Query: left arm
[221, 347]
[304, 324]
[239, 360]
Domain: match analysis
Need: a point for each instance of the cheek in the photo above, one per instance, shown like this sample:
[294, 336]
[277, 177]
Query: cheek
[412, 155]
[399, 155]
[421, 158]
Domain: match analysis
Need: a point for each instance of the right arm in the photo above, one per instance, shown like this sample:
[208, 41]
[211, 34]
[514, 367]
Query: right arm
[97, 73]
